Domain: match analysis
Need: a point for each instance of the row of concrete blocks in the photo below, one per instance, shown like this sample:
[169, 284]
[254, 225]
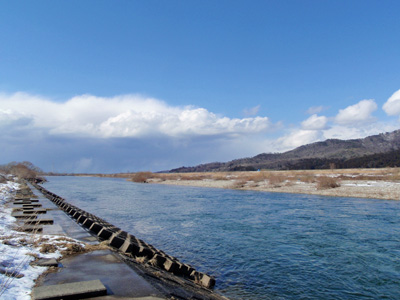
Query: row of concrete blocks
[127, 243]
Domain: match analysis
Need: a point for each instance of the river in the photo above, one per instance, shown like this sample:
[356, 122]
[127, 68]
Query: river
[258, 245]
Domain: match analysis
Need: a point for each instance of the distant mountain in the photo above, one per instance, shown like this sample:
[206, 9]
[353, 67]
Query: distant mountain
[382, 150]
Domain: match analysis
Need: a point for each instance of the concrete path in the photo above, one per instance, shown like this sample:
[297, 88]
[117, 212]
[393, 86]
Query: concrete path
[119, 279]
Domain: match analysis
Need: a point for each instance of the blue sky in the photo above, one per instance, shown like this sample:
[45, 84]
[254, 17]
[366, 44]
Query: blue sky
[108, 86]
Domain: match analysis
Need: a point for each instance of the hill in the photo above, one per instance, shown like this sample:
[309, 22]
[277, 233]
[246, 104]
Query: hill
[382, 150]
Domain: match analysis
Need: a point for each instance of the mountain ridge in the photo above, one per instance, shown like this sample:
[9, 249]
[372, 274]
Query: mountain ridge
[318, 155]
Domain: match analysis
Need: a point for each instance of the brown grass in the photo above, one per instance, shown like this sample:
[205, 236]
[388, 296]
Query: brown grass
[307, 178]
[276, 179]
[48, 248]
[325, 182]
[141, 259]
[238, 184]
[141, 177]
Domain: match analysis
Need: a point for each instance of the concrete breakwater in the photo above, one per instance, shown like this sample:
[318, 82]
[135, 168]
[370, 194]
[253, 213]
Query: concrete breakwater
[128, 244]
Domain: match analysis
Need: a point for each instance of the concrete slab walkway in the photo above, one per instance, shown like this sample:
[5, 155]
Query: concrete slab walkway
[119, 279]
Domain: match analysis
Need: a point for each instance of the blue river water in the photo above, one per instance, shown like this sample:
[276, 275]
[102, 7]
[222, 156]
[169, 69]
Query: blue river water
[258, 245]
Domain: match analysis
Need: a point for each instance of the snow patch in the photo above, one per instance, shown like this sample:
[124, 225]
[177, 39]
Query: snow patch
[19, 249]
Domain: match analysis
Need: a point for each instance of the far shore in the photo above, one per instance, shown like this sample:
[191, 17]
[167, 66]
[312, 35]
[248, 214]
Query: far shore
[361, 183]
[383, 183]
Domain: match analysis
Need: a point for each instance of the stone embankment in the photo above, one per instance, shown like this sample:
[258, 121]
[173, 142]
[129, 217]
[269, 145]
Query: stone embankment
[128, 244]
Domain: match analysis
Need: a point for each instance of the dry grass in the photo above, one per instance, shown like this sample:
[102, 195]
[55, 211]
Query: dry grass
[141, 177]
[321, 182]
[238, 184]
[72, 249]
[325, 182]
[277, 179]
[48, 248]
[141, 259]
[308, 176]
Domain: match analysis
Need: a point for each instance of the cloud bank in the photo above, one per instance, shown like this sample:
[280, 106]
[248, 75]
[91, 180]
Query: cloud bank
[127, 116]
[131, 132]
[351, 122]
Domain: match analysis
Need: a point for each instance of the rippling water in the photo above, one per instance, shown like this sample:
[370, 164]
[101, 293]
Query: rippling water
[258, 245]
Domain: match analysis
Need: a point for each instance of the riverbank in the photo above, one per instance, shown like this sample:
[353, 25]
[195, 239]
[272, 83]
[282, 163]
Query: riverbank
[361, 183]
[20, 249]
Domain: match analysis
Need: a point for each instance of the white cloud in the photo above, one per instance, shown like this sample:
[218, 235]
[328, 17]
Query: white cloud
[298, 138]
[123, 116]
[392, 105]
[315, 123]
[344, 132]
[315, 109]
[252, 111]
[357, 113]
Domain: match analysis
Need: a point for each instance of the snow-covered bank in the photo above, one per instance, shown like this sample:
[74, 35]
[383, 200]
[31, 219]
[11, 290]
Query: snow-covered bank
[19, 249]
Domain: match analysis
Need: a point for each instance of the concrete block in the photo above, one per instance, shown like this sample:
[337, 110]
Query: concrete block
[170, 265]
[87, 223]
[18, 198]
[32, 228]
[39, 222]
[184, 270]
[115, 233]
[67, 209]
[195, 276]
[75, 290]
[105, 234]
[81, 219]
[144, 251]
[131, 249]
[32, 205]
[207, 281]
[36, 211]
[158, 261]
[46, 262]
[125, 246]
[117, 241]
[95, 228]
[23, 216]
[76, 215]
[22, 202]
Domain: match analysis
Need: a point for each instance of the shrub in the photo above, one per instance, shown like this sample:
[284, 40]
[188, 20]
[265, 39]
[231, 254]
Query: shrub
[325, 182]
[257, 176]
[276, 179]
[238, 184]
[308, 178]
[48, 248]
[142, 177]
[220, 176]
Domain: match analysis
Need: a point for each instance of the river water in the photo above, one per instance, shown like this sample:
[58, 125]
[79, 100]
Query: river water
[258, 245]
